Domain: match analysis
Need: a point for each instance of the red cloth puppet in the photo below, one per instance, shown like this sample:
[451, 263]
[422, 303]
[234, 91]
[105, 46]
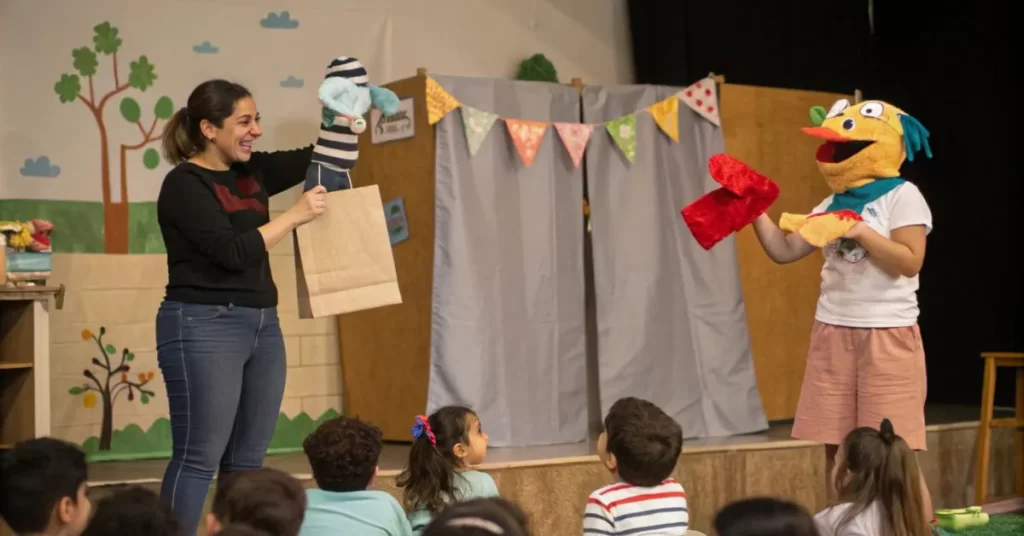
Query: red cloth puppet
[745, 194]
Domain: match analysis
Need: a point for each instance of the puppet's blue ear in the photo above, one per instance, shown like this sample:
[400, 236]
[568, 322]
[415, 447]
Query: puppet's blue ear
[384, 100]
[915, 137]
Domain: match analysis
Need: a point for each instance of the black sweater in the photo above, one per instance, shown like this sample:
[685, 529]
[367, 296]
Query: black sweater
[210, 219]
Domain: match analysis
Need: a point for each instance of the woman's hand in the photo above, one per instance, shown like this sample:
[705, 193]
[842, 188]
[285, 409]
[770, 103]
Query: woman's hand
[310, 205]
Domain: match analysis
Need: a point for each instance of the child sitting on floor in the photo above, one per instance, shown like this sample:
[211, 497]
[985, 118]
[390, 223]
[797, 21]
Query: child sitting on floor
[878, 483]
[43, 488]
[133, 510]
[343, 454]
[640, 445]
[480, 517]
[444, 449]
[764, 516]
[264, 499]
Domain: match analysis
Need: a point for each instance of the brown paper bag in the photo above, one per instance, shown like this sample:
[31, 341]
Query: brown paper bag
[343, 259]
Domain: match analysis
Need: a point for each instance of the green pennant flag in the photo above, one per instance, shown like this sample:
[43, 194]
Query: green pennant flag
[476, 123]
[623, 131]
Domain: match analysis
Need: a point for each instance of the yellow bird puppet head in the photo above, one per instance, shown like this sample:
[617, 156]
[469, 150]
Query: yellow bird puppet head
[864, 142]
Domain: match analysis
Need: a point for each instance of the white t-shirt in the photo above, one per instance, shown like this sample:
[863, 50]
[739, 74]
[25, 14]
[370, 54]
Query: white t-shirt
[854, 291]
[866, 523]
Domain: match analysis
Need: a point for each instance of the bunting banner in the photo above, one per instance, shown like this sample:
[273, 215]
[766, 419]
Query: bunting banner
[574, 137]
[526, 135]
[439, 102]
[701, 97]
[477, 124]
[623, 131]
[666, 115]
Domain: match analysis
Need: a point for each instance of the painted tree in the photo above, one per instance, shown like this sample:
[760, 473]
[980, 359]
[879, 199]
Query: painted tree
[141, 76]
[115, 382]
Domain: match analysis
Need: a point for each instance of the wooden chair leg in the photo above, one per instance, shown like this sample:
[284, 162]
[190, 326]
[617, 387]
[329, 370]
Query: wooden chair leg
[988, 399]
[1019, 415]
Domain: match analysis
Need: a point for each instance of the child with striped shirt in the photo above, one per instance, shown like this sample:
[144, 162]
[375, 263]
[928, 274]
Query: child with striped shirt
[640, 445]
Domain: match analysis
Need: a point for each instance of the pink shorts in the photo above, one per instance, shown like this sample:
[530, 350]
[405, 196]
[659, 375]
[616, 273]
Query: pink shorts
[859, 376]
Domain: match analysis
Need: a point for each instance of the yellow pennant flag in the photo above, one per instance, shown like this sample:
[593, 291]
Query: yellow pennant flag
[666, 114]
[439, 102]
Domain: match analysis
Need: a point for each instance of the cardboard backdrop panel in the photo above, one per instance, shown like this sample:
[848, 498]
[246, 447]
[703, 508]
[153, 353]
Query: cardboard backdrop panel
[762, 128]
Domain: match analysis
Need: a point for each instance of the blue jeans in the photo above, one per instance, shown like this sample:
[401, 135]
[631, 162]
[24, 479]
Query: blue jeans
[224, 368]
[331, 179]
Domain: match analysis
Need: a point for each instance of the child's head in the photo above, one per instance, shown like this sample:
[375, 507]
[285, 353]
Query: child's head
[343, 453]
[762, 516]
[640, 442]
[877, 466]
[265, 499]
[480, 517]
[241, 529]
[449, 440]
[133, 510]
[44, 487]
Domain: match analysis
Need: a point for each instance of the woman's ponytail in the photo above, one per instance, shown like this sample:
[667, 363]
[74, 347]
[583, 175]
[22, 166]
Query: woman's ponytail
[178, 142]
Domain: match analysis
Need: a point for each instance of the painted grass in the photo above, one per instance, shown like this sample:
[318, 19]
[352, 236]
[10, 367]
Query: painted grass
[78, 225]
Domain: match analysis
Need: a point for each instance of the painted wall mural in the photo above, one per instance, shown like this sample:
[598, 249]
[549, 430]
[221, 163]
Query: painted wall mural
[79, 87]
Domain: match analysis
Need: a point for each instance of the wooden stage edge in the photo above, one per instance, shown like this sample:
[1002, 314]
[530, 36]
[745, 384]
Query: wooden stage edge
[552, 483]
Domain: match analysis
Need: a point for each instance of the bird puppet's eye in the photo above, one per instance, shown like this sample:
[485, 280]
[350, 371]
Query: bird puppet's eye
[848, 124]
[839, 107]
[872, 109]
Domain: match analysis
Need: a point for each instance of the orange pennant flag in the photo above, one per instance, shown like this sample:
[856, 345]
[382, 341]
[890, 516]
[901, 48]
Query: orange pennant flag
[439, 102]
[526, 135]
[666, 115]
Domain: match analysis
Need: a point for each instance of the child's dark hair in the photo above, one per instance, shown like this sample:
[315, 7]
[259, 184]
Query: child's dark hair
[480, 517]
[646, 442]
[265, 499]
[212, 100]
[133, 510]
[428, 480]
[878, 466]
[34, 476]
[241, 529]
[343, 453]
[764, 516]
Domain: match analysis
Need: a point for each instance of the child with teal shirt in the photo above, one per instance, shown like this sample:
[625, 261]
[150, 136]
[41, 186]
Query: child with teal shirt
[445, 447]
[343, 453]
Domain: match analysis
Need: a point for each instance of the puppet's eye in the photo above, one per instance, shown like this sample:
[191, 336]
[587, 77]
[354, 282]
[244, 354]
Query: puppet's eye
[839, 107]
[871, 109]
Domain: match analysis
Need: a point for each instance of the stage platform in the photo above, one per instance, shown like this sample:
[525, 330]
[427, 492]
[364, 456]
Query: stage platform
[552, 482]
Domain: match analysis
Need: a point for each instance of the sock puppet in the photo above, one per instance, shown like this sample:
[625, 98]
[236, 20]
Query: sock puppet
[863, 147]
[346, 95]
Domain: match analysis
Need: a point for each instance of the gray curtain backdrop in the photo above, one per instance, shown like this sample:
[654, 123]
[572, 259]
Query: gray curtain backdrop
[670, 319]
[508, 305]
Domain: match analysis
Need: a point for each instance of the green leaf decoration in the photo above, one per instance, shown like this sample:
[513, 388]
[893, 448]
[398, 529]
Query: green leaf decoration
[76, 390]
[818, 114]
[110, 349]
[144, 398]
[68, 87]
[141, 75]
[105, 38]
[151, 158]
[398, 229]
[130, 110]
[396, 210]
[129, 357]
[85, 61]
[164, 108]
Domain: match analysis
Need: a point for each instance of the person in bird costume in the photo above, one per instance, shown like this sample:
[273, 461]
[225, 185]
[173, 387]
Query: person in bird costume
[866, 359]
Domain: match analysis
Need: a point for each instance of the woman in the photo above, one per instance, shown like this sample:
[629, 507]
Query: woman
[219, 342]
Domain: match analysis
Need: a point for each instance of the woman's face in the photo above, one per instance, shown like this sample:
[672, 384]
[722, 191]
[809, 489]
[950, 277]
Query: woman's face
[234, 139]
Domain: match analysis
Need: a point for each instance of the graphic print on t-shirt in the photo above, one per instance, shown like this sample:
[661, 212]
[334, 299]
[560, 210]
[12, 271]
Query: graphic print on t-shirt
[231, 203]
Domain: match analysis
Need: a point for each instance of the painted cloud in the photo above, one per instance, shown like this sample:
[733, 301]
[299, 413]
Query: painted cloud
[291, 81]
[279, 21]
[40, 167]
[205, 48]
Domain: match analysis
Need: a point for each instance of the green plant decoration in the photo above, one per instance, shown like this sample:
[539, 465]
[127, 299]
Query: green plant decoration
[141, 76]
[537, 68]
[109, 388]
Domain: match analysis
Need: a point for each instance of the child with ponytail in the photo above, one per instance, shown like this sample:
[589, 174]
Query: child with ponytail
[878, 482]
[445, 447]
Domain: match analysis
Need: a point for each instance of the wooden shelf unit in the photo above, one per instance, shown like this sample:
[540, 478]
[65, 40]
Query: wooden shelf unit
[25, 362]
